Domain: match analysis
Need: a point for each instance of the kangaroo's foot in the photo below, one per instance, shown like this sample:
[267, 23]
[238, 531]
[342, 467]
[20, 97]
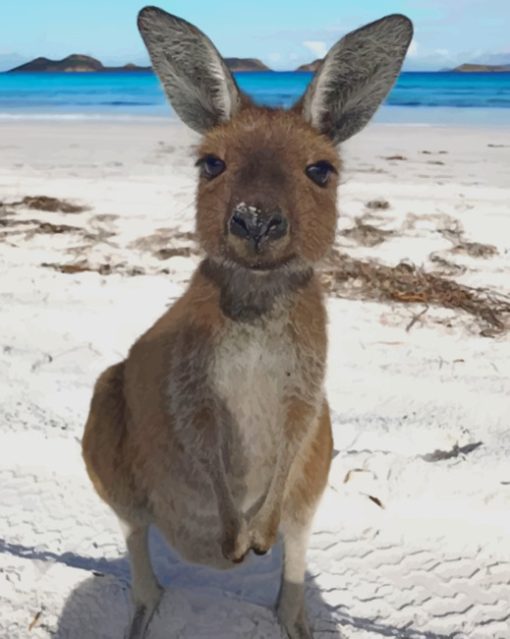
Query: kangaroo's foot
[144, 613]
[297, 628]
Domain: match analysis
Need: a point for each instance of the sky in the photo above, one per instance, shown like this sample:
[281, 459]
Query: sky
[283, 34]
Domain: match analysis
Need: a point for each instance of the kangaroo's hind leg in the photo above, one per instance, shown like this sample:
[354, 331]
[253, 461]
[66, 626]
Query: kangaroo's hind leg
[306, 484]
[108, 454]
[146, 590]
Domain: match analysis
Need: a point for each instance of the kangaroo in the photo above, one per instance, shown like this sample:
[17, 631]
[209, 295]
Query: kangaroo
[216, 428]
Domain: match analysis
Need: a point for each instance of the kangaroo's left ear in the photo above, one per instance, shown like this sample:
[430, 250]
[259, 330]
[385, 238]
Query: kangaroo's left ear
[355, 77]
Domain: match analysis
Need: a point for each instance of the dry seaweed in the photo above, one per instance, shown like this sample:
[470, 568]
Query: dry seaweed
[445, 266]
[475, 249]
[366, 234]
[48, 227]
[455, 233]
[35, 227]
[346, 276]
[167, 253]
[161, 239]
[103, 269]
[378, 204]
[395, 157]
[51, 204]
[456, 451]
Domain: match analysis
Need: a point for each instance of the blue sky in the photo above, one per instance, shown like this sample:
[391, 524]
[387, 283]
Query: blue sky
[283, 34]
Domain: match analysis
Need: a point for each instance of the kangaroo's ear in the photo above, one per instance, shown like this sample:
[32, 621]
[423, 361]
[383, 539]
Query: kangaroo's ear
[195, 78]
[355, 77]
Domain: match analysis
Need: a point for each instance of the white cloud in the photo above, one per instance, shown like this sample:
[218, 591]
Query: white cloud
[413, 49]
[317, 47]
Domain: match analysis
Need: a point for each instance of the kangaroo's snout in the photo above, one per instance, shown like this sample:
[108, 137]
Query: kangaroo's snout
[257, 226]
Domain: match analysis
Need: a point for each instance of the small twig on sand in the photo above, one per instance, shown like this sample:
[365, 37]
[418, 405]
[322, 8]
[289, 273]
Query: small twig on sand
[35, 621]
[415, 318]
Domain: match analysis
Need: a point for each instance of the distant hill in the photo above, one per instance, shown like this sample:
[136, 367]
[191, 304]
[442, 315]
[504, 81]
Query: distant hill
[245, 64]
[75, 63]
[463, 68]
[311, 66]
[78, 63]
[484, 68]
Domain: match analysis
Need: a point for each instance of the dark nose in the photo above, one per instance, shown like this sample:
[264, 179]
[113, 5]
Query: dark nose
[252, 224]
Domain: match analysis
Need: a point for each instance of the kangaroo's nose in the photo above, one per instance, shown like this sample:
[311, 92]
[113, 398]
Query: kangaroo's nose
[257, 226]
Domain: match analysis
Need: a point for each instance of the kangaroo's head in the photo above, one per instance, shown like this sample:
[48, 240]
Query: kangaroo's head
[267, 188]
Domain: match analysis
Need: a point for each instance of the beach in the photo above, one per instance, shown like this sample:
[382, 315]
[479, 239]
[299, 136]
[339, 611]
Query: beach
[412, 536]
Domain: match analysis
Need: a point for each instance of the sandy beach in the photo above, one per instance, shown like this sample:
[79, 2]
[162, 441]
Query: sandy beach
[412, 539]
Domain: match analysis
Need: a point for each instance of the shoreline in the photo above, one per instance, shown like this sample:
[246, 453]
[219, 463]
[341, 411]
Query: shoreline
[426, 116]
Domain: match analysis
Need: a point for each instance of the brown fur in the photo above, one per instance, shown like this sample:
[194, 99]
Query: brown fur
[128, 425]
[156, 421]
[216, 428]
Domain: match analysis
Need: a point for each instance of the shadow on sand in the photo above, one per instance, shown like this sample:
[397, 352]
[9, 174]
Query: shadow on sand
[199, 603]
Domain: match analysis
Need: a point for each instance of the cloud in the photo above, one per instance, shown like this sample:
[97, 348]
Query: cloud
[486, 57]
[413, 49]
[317, 47]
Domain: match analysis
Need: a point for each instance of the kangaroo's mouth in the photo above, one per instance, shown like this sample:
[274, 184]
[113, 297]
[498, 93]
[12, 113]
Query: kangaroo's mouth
[263, 256]
[260, 263]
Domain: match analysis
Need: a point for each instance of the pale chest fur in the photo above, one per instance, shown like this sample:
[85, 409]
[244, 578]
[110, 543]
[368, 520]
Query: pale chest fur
[255, 367]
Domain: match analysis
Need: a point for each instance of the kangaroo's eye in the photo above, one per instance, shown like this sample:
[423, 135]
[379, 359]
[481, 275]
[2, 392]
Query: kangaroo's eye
[320, 172]
[210, 166]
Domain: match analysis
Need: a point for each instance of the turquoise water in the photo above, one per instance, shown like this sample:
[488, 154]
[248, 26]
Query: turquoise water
[418, 97]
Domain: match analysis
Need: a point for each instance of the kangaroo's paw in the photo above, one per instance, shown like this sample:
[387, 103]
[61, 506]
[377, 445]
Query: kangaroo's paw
[263, 532]
[236, 541]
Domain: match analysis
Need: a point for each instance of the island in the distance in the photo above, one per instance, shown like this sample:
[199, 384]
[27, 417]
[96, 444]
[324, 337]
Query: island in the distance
[463, 68]
[483, 68]
[246, 64]
[311, 66]
[78, 63]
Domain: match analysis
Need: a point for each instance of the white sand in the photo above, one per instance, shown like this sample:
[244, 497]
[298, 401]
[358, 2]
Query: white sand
[433, 563]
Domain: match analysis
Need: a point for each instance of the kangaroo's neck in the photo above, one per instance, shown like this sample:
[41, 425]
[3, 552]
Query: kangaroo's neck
[246, 294]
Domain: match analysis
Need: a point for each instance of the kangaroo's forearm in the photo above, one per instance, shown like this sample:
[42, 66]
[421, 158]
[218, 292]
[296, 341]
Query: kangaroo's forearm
[208, 451]
[234, 535]
[215, 468]
[300, 416]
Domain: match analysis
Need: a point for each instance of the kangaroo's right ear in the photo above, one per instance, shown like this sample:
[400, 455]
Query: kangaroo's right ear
[355, 77]
[196, 80]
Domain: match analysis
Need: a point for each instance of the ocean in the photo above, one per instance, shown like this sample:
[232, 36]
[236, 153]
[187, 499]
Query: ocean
[449, 98]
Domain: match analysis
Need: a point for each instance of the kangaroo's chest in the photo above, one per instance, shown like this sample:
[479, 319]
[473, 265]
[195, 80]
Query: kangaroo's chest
[252, 370]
